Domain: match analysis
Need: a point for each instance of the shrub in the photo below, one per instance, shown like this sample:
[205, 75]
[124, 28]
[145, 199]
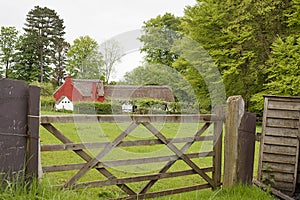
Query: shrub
[97, 108]
[47, 103]
[47, 89]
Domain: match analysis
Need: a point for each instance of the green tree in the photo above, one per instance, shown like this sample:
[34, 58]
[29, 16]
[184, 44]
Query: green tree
[8, 41]
[44, 28]
[238, 35]
[59, 60]
[84, 60]
[284, 67]
[27, 60]
[158, 37]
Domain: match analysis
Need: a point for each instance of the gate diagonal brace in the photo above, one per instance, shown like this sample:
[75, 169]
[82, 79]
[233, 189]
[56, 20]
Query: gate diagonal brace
[93, 162]
[86, 157]
[179, 153]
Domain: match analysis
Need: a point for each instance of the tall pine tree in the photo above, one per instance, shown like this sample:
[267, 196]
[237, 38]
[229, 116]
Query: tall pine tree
[43, 30]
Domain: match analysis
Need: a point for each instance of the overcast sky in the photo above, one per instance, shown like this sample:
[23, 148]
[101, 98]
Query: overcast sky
[100, 19]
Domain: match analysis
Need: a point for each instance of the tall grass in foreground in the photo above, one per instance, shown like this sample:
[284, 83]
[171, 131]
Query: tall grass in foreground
[37, 189]
[42, 190]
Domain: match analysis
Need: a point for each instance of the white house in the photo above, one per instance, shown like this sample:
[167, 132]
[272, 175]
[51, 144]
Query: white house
[64, 103]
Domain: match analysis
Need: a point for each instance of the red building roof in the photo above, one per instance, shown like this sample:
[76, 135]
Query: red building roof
[81, 90]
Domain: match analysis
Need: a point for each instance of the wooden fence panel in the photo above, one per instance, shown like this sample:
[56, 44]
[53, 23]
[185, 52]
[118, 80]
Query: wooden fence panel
[145, 121]
[279, 151]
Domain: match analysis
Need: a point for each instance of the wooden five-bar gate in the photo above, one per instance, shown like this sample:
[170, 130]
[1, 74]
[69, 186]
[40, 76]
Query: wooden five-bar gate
[210, 176]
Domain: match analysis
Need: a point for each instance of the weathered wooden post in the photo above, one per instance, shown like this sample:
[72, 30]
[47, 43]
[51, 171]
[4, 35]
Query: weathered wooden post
[239, 143]
[19, 126]
[33, 125]
[218, 137]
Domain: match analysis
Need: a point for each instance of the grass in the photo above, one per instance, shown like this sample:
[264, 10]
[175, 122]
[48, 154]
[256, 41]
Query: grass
[91, 132]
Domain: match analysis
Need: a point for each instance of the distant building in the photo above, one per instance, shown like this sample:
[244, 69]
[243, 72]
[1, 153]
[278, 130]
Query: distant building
[64, 103]
[74, 90]
[81, 90]
[163, 93]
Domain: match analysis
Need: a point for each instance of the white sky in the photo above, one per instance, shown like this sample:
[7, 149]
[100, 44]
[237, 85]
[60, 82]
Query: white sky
[100, 19]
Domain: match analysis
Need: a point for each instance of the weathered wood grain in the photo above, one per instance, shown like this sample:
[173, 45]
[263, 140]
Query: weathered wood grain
[279, 158]
[140, 178]
[95, 145]
[129, 118]
[284, 132]
[280, 167]
[283, 150]
[283, 141]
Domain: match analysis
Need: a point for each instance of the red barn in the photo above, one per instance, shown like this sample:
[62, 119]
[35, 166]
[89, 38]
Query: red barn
[81, 90]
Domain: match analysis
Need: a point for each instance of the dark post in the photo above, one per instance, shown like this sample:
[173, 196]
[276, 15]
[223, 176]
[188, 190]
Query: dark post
[32, 157]
[13, 128]
[246, 148]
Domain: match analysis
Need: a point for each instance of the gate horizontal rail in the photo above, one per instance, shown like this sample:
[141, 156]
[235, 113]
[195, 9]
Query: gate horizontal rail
[97, 162]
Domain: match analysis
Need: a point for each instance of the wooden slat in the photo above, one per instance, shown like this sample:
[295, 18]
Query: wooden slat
[95, 145]
[284, 105]
[283, 114]
[282, 123]
[286, 186]
[129, 118]
[276, 149]
[102, 183]
[283, 98]
[165, 192]
[274, 158]
[284, 132]
[281, 177]
[280, 167]
[115, 163]
[281, 141]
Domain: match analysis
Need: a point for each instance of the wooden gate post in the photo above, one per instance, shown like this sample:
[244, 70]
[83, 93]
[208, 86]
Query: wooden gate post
[239, 143]
[19, 129]
[218, 138]
[33, 123]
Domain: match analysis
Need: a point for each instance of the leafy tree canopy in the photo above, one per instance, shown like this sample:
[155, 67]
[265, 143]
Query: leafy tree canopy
[84, 60]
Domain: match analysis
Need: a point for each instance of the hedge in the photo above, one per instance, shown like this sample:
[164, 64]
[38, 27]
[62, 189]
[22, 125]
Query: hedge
[96, 108]
[47, 103]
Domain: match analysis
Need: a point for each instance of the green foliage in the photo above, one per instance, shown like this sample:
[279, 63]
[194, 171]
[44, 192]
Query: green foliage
[47, 89]
[284, 67]
[27, 61]
[83, 59]
[96, 108]
[59, 60]
[47, 103]
[43, 31]
[8, 41]
[158, 38]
